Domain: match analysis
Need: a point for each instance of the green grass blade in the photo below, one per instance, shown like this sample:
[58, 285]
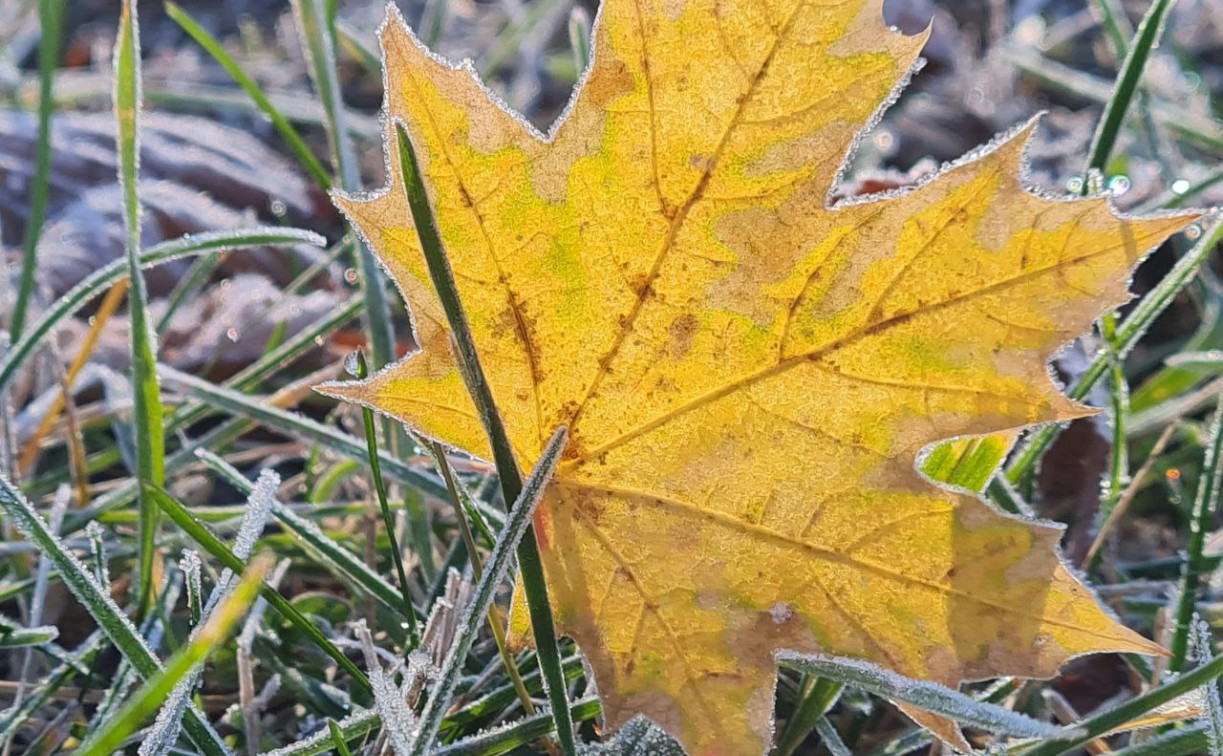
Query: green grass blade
[529, 561]
[211, 635]
[51, 23]
[1126, 86]
[210, 543]
[97, 601]
[335, 557]
[816, 697]
[103, 278]
[147, 411]
[1024, 462]
[337, 738]
[316, 28]
[1205, 505]
[298, 425]
[1106, 721]
[516, 526]
[1179, 742]
[518, 734]
[371, 444]
[214, 48]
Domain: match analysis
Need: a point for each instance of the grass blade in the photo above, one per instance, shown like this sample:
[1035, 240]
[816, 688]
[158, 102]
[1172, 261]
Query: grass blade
[1107, 721]
[529, 560]
[335, 557]
[371, 443]
[149, 433]
[518, 734]
[316, 27]
[1205, 504]
[516, 526]
[1126, 86]
[105, 277]
[212, 634]
[921, 693]
[210, 543]
[214, 48]
[1025, 460]
[298, 425]
[113, 622]
[51, 23]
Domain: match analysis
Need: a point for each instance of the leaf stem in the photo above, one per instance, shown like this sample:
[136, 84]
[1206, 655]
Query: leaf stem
[529, 560]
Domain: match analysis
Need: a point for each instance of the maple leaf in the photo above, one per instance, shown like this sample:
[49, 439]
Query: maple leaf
[748, 371]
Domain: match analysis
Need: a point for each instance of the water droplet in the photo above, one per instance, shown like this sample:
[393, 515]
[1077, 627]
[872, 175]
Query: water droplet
[278, 208]
[1118, 185]
[351, 366]
[350, 275]
[1074, 185]
[232, 334]
[318, 340]
[1193, 232]
[1180, 186]
[226, 283]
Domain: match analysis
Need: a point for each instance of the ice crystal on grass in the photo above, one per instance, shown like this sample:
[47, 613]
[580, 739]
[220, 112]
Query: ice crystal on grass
[1212, 712]
[638, 737]
[390, 699]
[191, 566]
[923, 694]
[258, 505]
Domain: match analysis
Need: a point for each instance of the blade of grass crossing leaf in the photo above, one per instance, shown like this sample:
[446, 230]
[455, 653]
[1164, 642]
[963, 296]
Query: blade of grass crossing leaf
[211, 635]
[923, 694]
[1126, 86]
[51, 22]
[1107, 721]
[113, 622]
[530, 563]
[371, 443]
[98, 281]
[147, 411]
[210, 543]
[1131, 329]
[1205, 504]
[517, 526]
[214, 48]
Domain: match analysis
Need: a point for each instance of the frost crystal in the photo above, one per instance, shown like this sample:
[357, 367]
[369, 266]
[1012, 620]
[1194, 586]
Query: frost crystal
[923, 694]
[1212, 712]
[258, 504]
[390, 700]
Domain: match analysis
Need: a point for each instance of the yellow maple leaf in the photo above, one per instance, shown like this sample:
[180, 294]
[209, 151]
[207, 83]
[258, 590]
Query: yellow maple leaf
[748, 370]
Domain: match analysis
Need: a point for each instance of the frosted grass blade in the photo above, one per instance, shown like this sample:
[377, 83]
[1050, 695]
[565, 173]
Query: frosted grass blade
[110, 618]
[516, 526]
